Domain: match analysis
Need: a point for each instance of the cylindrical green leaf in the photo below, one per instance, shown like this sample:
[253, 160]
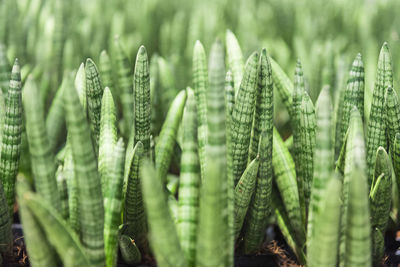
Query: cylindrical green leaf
[166, 140]
[189, 182]
[242, 117]
[243, 193]
[200, 87]
[91, 211]
[42, 157]
[376, 125]
[142, 104]
[94, 90]
[235, 59]
[163, 235]
[323, 159]
[323, 250]
[112, 204]
[11, 140]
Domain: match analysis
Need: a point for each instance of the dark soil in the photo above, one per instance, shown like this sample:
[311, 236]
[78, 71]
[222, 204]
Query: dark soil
[275, 251]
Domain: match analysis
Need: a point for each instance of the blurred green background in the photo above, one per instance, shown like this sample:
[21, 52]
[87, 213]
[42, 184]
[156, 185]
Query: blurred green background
[52, 36]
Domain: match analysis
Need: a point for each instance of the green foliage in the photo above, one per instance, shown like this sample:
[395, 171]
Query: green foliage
[212, 170]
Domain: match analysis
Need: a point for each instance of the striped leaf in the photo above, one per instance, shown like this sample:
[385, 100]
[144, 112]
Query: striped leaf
[395, 153]
[283, 85]
[55, 120]
[72, 185]
[200, 87]
[91, 211]
[242, 117]
[283, 222]
[358, 231]
[108, 137]
[353, 96]
[134, 215]
[297, 95]
[323, 159]
[323, 250]
[62, 190]
[42, 157]
[262, 137]
[376, 125]
[166, 140]
[189, 182]
[235, 59]
[40, 251]
[212, 226]
[129, 252]
[5, 223]
[285, 178]
[142, 104]
[112, 203]
[60, 236]
[380, 201]
[124, 84]
[229, 103]
[11, 140]
[353, 164]
[106, 73]
[243, 193]
[163, 235]
[216, 103]
[5, 69]
[307, 127]
[392, 115]
[94, 91]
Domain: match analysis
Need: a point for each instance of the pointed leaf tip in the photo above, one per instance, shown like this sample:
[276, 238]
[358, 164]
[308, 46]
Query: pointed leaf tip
[142, 50]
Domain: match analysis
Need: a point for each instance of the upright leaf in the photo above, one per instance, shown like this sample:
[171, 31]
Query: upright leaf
[125, 86]
[57, 232]
[307, 127]
[166, 140]
[229, 103]
[112, 204]
[11, 140]
[285, 178]
[142, 104]
[212, 227]
[235, 59]
[243, 193]
[261, 137]
[358, 231]
[297, 95]
[380, 201]
[392, 115]
[354, 158]
[134, 216]
[376, 125]
[5, 69]
[323, 159]
[163, 235]
[108, 137]
[283, 85]
[353, 96]
[242, 117]
[42, 157]
[200, 87]
[91, 211]
[94, 90]
[323, 251]
[40, 251]
[189, 183]
[106, 73]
